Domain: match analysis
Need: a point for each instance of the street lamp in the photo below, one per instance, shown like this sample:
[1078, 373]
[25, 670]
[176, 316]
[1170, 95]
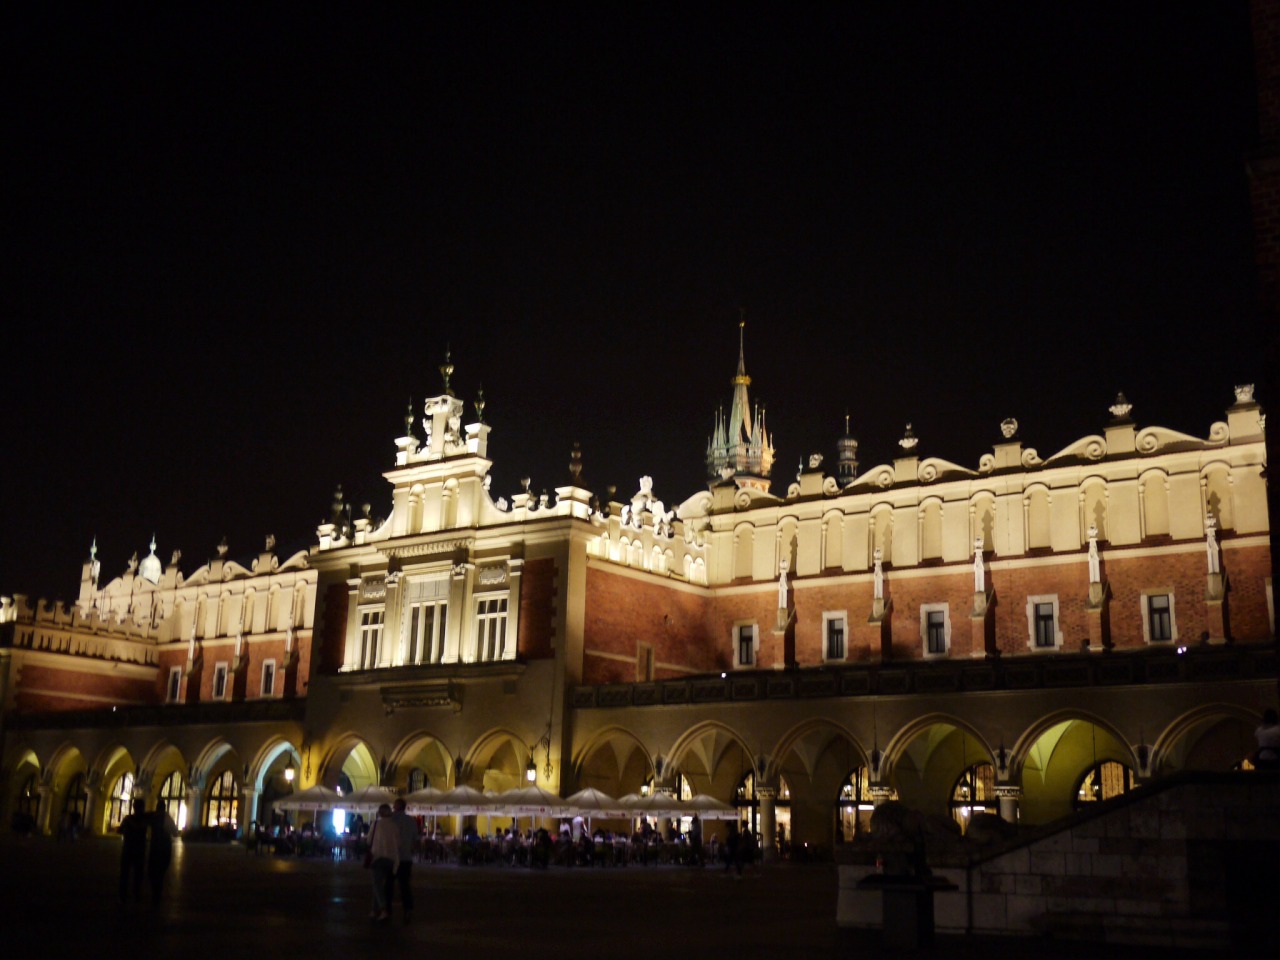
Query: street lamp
[288, 774]
[531, 771]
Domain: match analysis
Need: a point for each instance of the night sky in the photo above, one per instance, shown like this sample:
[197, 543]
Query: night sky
[239, 242]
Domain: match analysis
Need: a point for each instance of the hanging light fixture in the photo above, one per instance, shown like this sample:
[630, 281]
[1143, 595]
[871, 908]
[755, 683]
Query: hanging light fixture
[531, 770]
[288, 773]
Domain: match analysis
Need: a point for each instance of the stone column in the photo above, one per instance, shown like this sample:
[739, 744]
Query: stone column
[248, 811]
[1008, 794]
[768, 822]
[193, 806]
[44, 809]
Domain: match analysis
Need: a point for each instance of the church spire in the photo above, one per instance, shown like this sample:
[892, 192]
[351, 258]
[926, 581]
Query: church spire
[740, 446]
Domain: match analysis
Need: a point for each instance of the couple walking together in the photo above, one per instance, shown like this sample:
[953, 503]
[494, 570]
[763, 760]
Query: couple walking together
[391, 844]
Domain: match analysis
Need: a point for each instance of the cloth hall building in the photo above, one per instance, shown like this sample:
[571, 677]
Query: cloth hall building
[1021, 635]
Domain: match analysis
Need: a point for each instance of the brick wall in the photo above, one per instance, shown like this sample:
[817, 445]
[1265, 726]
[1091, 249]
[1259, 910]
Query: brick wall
[52, 688]
[537, 608]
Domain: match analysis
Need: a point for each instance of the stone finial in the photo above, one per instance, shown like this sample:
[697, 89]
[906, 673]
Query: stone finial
[1009, 427]
[408, 419]
[815, 461]
[175, 557]
[1244, 393]
[270, 543]
[479, 405]
[909, 441]
[1122, 407]
[222, 547]
[575, 463]
[524, 483]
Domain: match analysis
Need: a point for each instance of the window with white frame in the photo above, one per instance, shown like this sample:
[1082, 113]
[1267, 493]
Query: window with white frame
[1043, 625]
[491, 629]
[425, 642]
[220, 682]
[371, 622]
[834, 643]
[935, 629]
[268, 678]
[1158, 624]
[173, 693]
[745, 644]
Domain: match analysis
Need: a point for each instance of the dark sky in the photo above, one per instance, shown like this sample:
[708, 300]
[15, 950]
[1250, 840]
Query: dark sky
[240, 241]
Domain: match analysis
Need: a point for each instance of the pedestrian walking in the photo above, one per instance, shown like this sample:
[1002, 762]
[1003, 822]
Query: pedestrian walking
[133, 854]
[406, 830]
[384, 857]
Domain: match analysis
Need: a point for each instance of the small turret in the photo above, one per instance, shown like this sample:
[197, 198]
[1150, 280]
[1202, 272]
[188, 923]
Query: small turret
[846, 456]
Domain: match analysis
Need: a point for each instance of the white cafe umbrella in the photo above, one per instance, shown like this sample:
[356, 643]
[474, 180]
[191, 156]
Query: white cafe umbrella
[596, 803]
[464, 800]
[592, 803]
[709, 808]
[368, 798]
[313, 798]
[530, 801]
[424, 801]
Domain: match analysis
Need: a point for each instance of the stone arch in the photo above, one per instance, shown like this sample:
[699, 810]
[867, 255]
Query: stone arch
[112, 764]
[614, 761]
[1153, 502]
[449, 504]
[924, 758]
[814, 759]
[210, 756]
[1212, 736]
[496, 761]
[413, 522]
[17, 775]
[162, 759]
[1038, 526]
[276, 752]
[744, 544]
[880, 533]
[832, 540]
[1215, 480]
[1093, 506]
[350, 755]
[425, 751]
[713, 757]
[1053, 754]
[982, 513]
[929, 523]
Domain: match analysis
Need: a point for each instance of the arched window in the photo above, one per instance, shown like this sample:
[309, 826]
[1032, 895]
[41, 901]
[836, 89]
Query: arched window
[223, 805]
[29, 797]
[121, 798]
[417, 779]
[173, 799]
[1104, 781]
[974, 792]
[854, 806]
[77, 800]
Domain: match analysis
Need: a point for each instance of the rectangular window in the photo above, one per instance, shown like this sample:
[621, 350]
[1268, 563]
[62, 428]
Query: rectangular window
[220, 682]
[426, 632]
[269, 678]
[1159, 617]
[370, 637]
[746, 645]
[936, 628]
[835, 638]
[175, 685]
[1046, 635]
[491, 629]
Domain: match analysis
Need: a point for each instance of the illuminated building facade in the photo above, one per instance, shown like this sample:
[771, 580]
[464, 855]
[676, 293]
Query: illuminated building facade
[1019, 636]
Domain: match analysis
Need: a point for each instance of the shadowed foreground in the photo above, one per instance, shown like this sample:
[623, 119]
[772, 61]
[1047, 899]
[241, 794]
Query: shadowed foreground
[60, 899]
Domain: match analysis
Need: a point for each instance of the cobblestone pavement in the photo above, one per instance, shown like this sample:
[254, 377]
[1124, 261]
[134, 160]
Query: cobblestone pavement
[59, 900]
